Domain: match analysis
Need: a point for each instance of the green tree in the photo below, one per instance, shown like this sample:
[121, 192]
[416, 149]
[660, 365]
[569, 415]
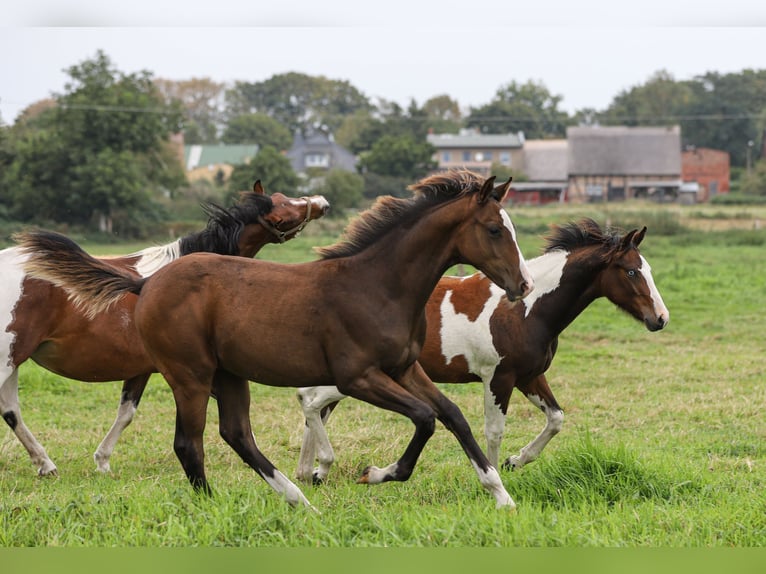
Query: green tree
[257, 128]
[271, 167]
[530, 108]
[399, 156]
[99, 156]
[443, 114]
[201, 100]
[298, 101]
[342, 189]
[659, 102]
[754, 182]
[726, 112]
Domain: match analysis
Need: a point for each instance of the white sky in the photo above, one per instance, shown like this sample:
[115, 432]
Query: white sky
[586, 51]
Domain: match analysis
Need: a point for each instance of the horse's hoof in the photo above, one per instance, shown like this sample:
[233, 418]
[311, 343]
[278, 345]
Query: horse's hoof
[317, 480]
[365, 478]
[48, 472]
[511, 463]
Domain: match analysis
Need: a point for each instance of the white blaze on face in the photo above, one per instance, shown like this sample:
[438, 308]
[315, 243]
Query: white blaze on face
[546, 271]
[659, 304]
[11, 288]
[522, 263]
[472, 339]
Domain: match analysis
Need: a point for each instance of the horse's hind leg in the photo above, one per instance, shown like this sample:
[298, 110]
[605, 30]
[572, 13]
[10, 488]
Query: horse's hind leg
[317, 404]
[233, 396]
[417, 382]
[132, 390]
[11, 412]
[539, 394]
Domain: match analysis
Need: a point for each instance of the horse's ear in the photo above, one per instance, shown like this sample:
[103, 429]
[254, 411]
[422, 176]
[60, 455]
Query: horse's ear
[628, 241]
[639, 237]
[487, 189]
[501, 190]
[258, 188]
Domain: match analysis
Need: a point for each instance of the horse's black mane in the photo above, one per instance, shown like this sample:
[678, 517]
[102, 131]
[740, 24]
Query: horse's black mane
[389, 212]
[224, 226]
[580, 234]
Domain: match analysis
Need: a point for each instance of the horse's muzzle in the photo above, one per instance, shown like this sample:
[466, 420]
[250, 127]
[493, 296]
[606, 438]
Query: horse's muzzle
[524, 289]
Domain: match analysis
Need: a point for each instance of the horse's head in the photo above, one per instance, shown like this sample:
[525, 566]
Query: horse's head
[628, 283]
[290, 215]
[487, 240]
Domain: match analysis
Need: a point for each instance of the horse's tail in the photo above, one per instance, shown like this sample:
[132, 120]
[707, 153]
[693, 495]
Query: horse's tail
[93, 285]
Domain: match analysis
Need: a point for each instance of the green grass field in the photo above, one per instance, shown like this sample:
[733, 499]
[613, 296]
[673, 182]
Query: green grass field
[664, 441]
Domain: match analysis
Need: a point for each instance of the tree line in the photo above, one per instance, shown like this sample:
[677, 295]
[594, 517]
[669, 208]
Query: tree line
[100, 155]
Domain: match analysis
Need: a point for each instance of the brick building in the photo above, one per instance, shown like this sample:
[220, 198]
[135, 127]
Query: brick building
[708, 168]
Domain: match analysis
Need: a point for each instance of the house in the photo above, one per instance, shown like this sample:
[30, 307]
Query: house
[708, 168]
[545, 165]
[216, 160]
[617, 162]
[476, 151]
[319, 151]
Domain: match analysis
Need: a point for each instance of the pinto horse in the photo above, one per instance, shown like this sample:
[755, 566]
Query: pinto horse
[355, 318]
[42, 324]
[474, 334]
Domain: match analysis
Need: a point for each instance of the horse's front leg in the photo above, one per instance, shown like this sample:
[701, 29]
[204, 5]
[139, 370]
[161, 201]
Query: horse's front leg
[132, 390]
[378, 389]
[418, 383]
[317, 403]
[233, 396]
[539, 394]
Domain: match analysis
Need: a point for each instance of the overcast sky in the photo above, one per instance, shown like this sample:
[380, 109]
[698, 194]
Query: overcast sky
[585, 51]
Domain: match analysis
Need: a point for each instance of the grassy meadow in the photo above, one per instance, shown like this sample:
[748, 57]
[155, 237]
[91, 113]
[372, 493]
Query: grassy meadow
[664, 440]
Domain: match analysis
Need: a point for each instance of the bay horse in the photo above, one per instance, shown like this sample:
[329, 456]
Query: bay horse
[354, 318]
[475, 335]
[39, 322]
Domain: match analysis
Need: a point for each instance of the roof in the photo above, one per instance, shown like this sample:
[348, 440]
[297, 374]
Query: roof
[216, 154]
[622, 150]
[546, 160]
[319, 143]
[472, 139]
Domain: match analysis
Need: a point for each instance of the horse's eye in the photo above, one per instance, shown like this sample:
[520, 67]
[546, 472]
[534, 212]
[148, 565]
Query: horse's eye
[631, 273]
[494, 231]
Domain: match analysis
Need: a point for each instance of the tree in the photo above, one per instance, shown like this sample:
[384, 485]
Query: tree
[754, 182]
[401, 156]
[659, 102]
[726, 111]
[443, 114]
[528, 108]
[99, 156]
[271, 167]
[298, 101]
[342, 189]
[257, 128]
[201, 100]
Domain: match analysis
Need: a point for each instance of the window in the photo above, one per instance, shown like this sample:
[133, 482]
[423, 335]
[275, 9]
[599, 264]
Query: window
[505, 158]
[446, 157]
[487, 156]
[466, 156]
[317, 160]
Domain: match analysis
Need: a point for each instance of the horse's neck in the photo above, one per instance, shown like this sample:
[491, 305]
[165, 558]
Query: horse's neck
[252, 239]
[411, 266]
[568, 282]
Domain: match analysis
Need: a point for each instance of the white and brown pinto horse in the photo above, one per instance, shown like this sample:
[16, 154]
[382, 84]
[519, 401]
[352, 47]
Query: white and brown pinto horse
[38, 321]
[475, 334]
[355, 318]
